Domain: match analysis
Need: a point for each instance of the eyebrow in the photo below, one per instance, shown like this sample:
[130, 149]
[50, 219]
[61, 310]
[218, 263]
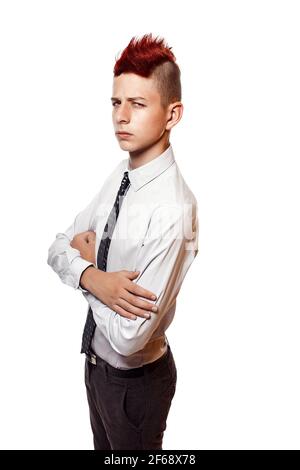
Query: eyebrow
[113, 98]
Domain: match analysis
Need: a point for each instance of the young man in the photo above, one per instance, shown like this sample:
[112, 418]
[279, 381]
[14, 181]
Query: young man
[137, 238]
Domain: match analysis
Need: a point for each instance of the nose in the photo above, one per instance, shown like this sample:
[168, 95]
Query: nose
[122, 114]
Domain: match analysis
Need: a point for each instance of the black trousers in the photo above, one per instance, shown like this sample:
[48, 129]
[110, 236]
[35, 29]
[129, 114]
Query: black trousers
[130, 413]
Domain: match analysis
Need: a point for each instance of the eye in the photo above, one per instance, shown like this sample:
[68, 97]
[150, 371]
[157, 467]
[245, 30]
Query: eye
[138, 104]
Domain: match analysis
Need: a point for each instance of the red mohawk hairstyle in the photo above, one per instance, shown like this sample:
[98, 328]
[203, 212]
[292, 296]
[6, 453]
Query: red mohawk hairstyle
[151, 57]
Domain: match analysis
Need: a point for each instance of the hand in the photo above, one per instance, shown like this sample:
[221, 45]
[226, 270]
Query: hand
[85, 243]
[118, 292]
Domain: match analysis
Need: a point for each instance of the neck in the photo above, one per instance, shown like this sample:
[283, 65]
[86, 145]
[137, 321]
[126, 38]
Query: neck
[142, 156]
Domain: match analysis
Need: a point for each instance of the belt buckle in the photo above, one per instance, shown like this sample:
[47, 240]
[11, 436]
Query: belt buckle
[92, 358]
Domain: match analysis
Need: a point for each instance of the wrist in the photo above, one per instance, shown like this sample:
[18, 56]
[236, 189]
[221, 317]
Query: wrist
[85, 278]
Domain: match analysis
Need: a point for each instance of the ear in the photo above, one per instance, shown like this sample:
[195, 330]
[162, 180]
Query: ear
[175, 114]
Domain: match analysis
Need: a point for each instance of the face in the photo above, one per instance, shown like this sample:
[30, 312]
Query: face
[144, 119]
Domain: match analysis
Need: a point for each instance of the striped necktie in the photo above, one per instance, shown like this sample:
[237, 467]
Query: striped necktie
[90, 323]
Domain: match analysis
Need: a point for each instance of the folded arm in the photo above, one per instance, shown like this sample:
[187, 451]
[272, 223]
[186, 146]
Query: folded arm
[73, 253]
[163, 262]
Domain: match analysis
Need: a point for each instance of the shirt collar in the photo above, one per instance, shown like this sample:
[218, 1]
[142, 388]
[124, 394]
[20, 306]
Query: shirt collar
[147, 172]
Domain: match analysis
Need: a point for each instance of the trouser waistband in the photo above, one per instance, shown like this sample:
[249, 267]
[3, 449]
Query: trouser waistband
[136, 372]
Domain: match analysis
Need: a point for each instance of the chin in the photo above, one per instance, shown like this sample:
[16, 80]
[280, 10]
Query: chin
[125, 145]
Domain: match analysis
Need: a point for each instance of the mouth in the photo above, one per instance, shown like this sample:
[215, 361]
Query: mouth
[123, 134]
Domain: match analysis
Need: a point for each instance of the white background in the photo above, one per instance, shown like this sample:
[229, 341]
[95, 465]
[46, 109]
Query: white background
[235, 336]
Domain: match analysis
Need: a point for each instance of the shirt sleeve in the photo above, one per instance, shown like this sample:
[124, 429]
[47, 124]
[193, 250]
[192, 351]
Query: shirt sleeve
[163, 261]
[62, 257]
[66, 260]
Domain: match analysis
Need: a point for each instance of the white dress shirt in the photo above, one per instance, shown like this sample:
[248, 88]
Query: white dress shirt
[157, 234]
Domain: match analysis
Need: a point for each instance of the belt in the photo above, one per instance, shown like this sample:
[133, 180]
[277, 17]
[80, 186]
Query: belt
[136, 372]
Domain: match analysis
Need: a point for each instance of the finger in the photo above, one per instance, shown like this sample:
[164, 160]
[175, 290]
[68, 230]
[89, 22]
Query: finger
[82, 234]
[139, 290]
[132, 309]
[123, 312]
[132, 274]
[140, 303]
[91, 235]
